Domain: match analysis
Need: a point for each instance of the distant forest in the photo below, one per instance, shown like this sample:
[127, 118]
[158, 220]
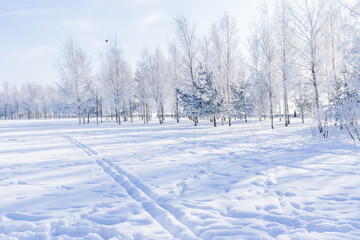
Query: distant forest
[303, 57]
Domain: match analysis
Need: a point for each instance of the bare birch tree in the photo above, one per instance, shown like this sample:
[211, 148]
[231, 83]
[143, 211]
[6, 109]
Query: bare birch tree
[266, 43]
[74, 71]
[308, 21]
[187, 50]
[117, 73]
[285, 48]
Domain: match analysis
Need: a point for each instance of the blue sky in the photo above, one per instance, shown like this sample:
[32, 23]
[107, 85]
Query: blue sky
[33, 32]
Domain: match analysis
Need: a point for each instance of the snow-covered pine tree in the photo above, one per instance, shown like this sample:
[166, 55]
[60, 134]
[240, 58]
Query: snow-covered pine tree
[211, 102]
[242, 100]
[205, 100]
[188, 101]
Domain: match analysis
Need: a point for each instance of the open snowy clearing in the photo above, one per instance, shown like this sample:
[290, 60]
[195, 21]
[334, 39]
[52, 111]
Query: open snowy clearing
[59, 180]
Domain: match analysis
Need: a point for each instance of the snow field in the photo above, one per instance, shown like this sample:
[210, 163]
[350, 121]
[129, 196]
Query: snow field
[59, 180]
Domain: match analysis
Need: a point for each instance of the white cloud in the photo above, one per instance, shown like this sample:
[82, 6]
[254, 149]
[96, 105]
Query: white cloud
[151, 18]
[29, 12]
[81, 24]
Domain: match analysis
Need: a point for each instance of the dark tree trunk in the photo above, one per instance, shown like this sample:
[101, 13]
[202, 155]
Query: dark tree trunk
[101, 114]
[177, 112]
[131, 113]
[162, 113]
[79, 112]
[97, 110]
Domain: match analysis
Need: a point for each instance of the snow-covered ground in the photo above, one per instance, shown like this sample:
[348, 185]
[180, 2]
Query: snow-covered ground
[59, 180]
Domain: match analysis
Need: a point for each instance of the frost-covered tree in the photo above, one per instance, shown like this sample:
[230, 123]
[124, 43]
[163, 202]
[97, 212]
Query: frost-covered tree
[15, 100]
[158, 81]
[346, 107]
[187, 48]
[98, 92]
[267, 61]
[286, 53]
[31, 102]
[205, 100]
[152, 73]
[242, 97]
[142, 88]
[308, 23]
[130, 98]
[74, 71]
[258, 90]
[225, 44]
[210, 101]
[5, 99]
[116, 72]
[175, 80]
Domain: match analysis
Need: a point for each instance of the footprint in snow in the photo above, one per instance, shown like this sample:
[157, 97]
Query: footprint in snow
[289, 194]
[25, 217]
[107, 220]
[295, 205]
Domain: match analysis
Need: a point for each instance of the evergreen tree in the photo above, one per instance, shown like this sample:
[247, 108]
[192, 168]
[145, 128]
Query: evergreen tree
[242, 100]
[205, 100]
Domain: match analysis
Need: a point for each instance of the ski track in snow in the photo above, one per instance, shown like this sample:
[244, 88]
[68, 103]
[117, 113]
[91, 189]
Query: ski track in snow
[164, 217]
[87, 150]
[168, 221]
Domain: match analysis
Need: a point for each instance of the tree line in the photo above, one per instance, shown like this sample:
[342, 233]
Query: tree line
[301, 56]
